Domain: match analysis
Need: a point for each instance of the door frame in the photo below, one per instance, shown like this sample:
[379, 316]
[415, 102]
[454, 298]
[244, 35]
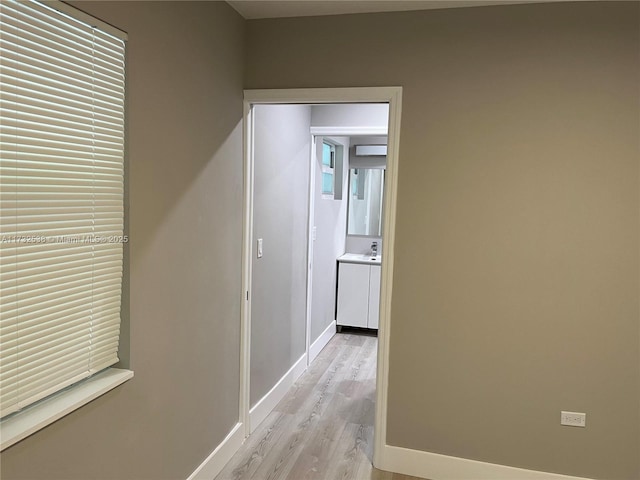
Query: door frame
[392, 96]
[317, 133]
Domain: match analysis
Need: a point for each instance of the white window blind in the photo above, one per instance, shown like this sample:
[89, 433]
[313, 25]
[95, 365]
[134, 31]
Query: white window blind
[61, 200]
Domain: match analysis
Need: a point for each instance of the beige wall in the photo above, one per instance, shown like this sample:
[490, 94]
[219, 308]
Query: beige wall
[185, 186]
[516, 263]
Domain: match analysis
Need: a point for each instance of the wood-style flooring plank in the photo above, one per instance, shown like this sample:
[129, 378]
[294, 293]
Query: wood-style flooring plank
[323, 428]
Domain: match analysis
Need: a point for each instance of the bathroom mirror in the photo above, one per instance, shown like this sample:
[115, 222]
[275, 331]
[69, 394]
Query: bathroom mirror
[366, 187]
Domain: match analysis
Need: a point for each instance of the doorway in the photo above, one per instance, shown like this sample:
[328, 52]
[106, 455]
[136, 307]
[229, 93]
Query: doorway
[253, 98]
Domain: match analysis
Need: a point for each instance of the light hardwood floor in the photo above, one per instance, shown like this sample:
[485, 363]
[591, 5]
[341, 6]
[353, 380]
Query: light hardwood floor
[323, 428]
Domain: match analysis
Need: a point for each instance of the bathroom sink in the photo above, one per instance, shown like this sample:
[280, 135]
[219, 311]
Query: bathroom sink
[360, 258]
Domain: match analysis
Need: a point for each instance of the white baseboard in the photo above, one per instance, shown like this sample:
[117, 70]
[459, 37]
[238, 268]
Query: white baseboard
[443, 467]
[216, 461]
[321, 341]
[267, 403]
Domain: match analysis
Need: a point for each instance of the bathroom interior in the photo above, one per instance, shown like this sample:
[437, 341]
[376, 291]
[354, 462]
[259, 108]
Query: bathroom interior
[359, 268]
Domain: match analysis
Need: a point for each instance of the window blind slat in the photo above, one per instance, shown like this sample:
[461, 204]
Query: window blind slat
[71, 209]
[38, 353]
[52, 131]
[40, 314]
[50, 20]
[71, 324]
[33, 250]
[109, 282]
[12, 171]
[50, 105]
[42, 224]
[41, 115]
[61, 191]
[55, 97]
[18, 40]
[59, 318]
[65, 94]
[40, 387]
[72, 372]
[42, 271]
[44, 71]
[39, 291]
[47, 40]
[40, 123]
[59, 168]
[30, 304]
[9, 401]
[59, 162]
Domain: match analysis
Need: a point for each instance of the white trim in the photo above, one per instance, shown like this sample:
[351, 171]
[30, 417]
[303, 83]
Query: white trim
[322, 341]
[392, 95]
[321, 95]
[20, 425]
[81, 16]
[265, 406]
[216, 461]
[386, 280]
[310, 242]
[443, 467]
[247, 252]
[348, 131]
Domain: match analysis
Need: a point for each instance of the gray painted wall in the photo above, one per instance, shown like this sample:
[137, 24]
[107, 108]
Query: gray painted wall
[184, 105]
[516, 273]
[350, 115]
[330, 219]
[280, 218]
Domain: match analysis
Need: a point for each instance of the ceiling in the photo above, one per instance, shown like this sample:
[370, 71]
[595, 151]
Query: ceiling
[251, 9]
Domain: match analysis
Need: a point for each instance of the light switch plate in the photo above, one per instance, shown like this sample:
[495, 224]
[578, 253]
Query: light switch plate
[259, 248]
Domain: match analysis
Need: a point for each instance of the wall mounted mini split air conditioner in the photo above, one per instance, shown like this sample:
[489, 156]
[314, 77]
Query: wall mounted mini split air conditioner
[371, 150]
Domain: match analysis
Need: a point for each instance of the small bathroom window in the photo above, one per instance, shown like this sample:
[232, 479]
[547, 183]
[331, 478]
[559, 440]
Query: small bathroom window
[328, 167]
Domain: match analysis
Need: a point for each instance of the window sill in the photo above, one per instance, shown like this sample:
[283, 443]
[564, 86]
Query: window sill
[22, 424]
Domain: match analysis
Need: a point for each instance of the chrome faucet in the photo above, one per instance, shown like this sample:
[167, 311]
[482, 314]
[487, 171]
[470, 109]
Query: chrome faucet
[374, 249]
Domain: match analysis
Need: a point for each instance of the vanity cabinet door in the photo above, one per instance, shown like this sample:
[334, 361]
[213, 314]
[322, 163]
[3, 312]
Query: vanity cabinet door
[353, 295]
[374, 296]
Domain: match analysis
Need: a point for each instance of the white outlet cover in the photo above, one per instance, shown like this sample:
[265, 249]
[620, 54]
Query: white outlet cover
[573, 419]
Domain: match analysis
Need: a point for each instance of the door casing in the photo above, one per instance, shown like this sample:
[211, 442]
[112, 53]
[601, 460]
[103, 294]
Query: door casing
[392, 96]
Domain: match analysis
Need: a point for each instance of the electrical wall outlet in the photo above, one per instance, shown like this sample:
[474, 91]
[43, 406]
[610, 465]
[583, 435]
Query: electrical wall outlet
[573, 419]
